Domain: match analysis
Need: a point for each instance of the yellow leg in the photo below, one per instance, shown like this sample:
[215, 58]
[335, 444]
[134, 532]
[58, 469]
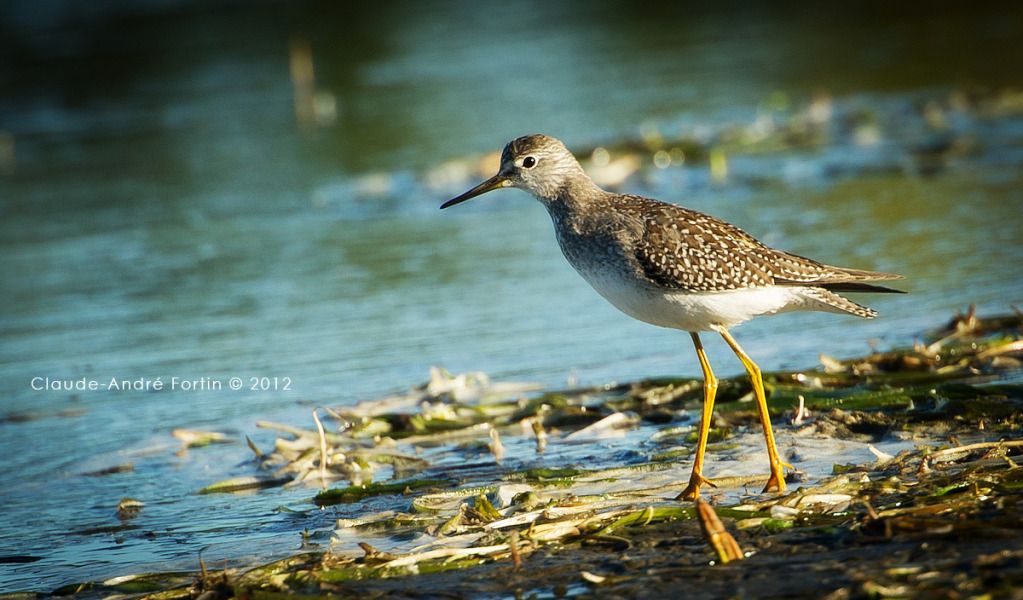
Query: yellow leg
[710, 388]
[777, 480]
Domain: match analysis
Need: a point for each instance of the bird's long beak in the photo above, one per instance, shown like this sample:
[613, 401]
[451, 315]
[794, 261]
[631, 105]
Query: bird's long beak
[496, 182]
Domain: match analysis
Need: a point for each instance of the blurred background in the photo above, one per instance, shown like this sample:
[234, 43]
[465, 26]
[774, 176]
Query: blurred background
[216, 189]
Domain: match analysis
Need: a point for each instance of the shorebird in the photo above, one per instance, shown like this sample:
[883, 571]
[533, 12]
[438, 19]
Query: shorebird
[675, 267]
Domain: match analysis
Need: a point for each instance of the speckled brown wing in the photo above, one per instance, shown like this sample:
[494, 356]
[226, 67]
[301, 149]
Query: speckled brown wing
[686, 250]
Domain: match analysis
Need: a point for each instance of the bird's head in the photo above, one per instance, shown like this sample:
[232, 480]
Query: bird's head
[538, 164]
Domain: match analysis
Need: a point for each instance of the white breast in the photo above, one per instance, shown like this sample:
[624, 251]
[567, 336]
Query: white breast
[611, 274]
[691, 311]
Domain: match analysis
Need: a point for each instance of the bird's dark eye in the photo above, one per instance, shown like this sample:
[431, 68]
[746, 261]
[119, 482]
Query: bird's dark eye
[528, 162]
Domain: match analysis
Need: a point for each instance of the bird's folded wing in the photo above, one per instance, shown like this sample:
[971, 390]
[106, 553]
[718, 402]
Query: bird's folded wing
[691, 251]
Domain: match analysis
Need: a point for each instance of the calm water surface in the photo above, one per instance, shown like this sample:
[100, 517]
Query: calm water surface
[164, 216]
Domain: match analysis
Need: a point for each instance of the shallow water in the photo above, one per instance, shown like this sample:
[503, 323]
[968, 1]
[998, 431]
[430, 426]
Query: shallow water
[164, 216]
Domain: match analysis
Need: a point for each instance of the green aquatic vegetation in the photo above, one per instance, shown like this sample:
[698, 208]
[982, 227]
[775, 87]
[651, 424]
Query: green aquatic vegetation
[838, 469]
[671, 455]
[154, 585]
[354, 493]
[714, 434]
[389, 521]
[647, 516]
[546, 474]
[419, 424]
[782, 398]
[484, 509]
[1012, 482]
[451, 525]
[569, 476]
[440, 501]
[242, 484]
[362, 572]
[370, 428]
[953, 488]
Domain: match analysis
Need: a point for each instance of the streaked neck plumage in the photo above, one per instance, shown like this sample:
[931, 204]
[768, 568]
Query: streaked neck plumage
[572, 194]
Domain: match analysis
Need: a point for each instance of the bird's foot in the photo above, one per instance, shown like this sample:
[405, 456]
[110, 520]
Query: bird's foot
[776, 482]
[692, 491]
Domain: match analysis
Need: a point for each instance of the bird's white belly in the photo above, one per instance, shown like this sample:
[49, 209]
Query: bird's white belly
[692, 311]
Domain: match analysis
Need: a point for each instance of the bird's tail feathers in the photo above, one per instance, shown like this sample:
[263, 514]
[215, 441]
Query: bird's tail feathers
[855, 286]
[829, 301]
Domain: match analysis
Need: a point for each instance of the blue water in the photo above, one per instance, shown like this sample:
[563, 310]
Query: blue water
[164, 215]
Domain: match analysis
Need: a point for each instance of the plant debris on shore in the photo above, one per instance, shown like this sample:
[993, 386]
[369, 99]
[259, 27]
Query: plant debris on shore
[467, 487]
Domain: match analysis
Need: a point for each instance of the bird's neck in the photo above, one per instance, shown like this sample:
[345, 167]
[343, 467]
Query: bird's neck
[573, 197]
